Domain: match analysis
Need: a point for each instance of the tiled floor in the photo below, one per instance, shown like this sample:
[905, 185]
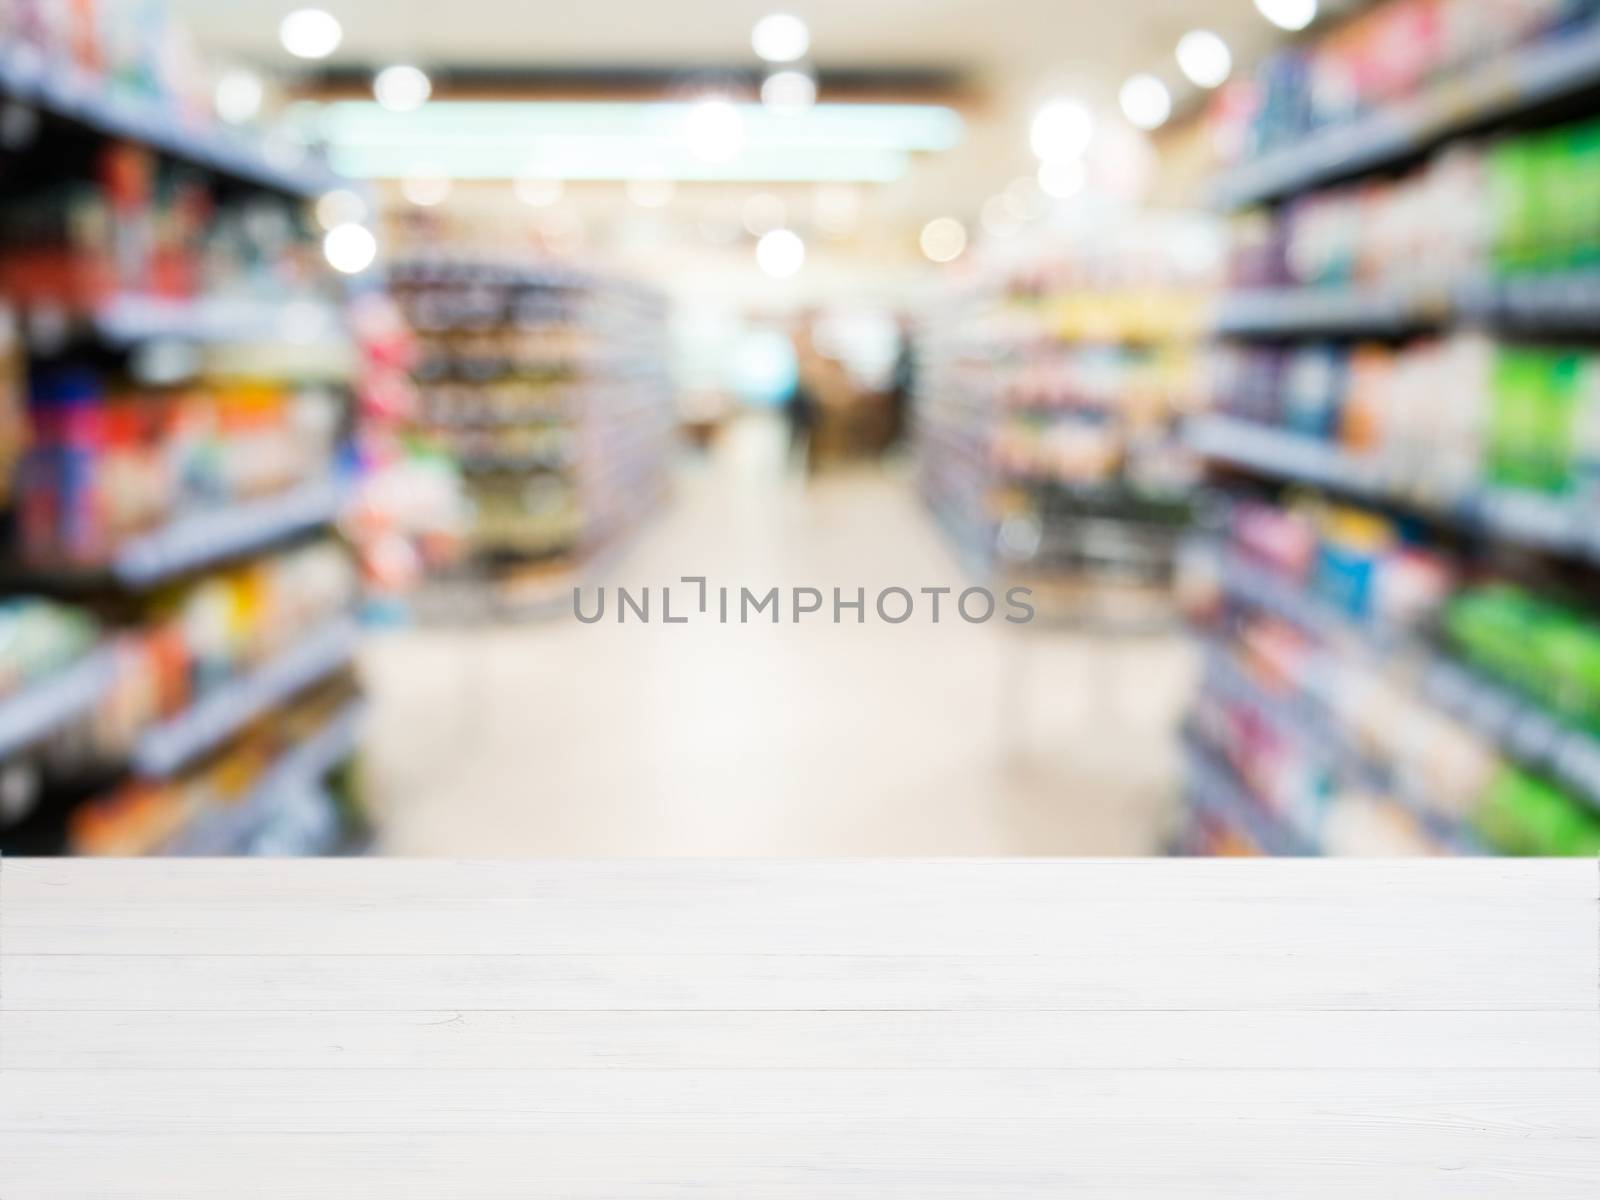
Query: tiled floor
[564, 739]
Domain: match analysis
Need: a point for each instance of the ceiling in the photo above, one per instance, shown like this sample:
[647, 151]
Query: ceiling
[1011, 55]
[992, 38]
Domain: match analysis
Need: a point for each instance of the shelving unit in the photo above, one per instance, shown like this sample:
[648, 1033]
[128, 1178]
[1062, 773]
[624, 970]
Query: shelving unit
[167, 748]
[1049, 399]
[192, 542]
[1384, 394]
[1552, 525]
[1521, 731]
[65, 91]
[50, 704]
[1566, 302]
[548, 387]
[296, 772]
[127, 320]
[200, 487]
[1505, 85]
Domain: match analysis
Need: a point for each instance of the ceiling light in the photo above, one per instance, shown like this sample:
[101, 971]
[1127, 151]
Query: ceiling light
[1204, 58]
[238, 95]
[537, 192]
[714, 130]
[1061, 129]
[780, 253]
[780, 38]
[310, 33]
[650, 193]
[350, 248]
[340, 207]
[1145, 101]
[943, 239]
[1293, 15]
[1062, 178]
[789, 91]
[402, 88]
[762, 213]
[619, 140]
[997, 217]
[426, 187]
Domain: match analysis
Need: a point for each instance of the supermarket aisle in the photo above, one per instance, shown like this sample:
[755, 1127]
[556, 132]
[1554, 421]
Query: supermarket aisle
[561, 738]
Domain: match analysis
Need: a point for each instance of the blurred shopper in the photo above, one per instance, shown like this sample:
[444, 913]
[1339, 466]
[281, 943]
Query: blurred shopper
[902, 381]
[800, 409]
[828, 395]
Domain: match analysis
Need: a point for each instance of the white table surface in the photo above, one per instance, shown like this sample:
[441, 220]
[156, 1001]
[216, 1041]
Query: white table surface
[883, 1030]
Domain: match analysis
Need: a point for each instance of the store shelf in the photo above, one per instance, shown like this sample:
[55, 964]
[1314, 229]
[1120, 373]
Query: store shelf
[1306, 721]
[193, 542]
[1520, 731]
[70, 93]
[1506, 84]
[1281, 454]
[228, 831]
[43, 707]
[1212, 789]
[1266, 590]
[479, 462]
[206, 538]
[1527, 519]
[1557, 302]
[127, 320]
[1338, 310]
[172, 745]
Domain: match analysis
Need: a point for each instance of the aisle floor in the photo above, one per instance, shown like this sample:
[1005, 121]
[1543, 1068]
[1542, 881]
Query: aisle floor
[557, 738]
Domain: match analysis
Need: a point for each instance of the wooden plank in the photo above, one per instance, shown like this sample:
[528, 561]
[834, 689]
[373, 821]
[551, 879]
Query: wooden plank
[823, 908]
[1092, 1040]
[795, 1159]
[1312, 974]
[893, 882]
[1515, 1103]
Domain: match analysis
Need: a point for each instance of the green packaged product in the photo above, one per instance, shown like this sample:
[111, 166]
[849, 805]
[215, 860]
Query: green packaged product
[1554, 450]
[1527, 816]
[1584, 147]
[1513, 417]
[1569, 649]
[1493, 627]
[1510, 171]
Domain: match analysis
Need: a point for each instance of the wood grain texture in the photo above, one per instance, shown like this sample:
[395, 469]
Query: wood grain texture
[883, 1030]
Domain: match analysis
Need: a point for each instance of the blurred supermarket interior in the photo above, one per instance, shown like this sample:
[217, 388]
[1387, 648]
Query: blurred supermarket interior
[458, 429]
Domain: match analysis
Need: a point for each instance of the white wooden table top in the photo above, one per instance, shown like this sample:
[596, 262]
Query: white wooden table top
[883, 1030]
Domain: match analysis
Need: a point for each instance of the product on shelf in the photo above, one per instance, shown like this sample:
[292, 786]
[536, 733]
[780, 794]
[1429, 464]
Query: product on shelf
[547, 388]
[1550, 652]
[264, 793]
[39, 638]
[1513, 205]
[1353, 694]
[109, 459]
[409, 516]
[128, 70]
[1390, 54]
[132, 51]
[1445, 416]
[142, 229]
[1049, 400]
